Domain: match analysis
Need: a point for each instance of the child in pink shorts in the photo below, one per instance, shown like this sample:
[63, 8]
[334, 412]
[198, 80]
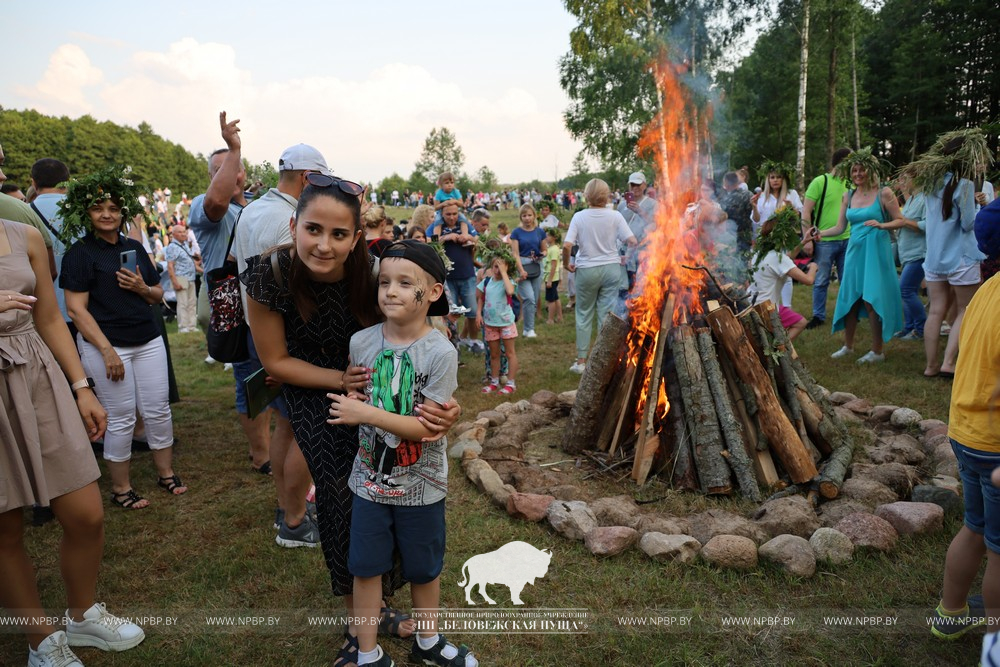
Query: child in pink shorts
[774, 267]
[496, 316]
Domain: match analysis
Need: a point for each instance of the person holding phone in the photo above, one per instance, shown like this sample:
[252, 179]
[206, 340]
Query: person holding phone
[639, 212]
[110, 284]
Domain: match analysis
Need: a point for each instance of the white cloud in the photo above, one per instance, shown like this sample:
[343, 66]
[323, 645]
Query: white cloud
[366, 127]
[61, 88]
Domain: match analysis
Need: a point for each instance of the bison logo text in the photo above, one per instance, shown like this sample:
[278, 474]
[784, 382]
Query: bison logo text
[515, 565]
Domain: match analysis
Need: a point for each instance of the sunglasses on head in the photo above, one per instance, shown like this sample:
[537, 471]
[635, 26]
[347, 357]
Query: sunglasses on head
[324, 181]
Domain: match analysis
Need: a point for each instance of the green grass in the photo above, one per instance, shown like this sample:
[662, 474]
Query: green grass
[212, 552]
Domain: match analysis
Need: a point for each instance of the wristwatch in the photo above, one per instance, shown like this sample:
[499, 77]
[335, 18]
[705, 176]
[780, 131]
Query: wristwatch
[80, 384]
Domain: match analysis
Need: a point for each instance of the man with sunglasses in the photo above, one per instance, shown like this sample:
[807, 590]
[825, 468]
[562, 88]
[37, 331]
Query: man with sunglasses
[213, 214]
[264, 224]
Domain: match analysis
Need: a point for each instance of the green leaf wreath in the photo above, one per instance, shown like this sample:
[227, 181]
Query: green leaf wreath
[965, 153]
[491, 246]
[781, 233]
[783, 168]
[112, 183]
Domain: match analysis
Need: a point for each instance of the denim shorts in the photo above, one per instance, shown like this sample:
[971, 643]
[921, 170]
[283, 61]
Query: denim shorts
[462, 292]
[982, 499]
[244, 369]
[377, 529]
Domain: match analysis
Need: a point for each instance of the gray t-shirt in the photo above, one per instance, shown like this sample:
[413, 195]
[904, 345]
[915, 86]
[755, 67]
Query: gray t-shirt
[387, 469]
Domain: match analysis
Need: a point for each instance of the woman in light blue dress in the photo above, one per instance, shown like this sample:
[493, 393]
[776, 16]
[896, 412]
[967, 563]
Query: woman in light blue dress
[869, 278]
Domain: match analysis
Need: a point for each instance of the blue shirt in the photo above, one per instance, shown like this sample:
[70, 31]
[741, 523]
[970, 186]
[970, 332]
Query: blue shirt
[212, 235]
[951, 243]
[49, 204]
[529, 243]
[460, 255]
[441, 195]
[182, 258]
[913, 244]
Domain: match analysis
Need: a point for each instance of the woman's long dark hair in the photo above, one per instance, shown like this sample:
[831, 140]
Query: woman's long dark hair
[361, 291]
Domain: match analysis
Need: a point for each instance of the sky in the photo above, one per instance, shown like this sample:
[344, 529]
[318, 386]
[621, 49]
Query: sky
[364, 82]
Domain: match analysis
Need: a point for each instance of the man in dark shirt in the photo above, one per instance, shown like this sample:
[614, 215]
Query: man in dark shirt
[459, 245]
[736, 203]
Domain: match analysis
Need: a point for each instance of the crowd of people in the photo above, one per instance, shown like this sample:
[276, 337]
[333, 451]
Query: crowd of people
[361, 322]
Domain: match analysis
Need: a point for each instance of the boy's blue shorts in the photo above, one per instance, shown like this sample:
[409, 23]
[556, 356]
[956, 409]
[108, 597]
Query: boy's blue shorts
[378, 529]
[982, 499]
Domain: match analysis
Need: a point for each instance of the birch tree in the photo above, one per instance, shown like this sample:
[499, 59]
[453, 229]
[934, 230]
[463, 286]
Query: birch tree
[800, 150]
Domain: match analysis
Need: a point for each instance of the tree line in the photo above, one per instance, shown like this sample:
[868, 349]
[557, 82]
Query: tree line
[892, 73]
[86, 145]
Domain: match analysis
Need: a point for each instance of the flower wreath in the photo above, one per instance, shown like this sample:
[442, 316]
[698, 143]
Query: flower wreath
[111, 183]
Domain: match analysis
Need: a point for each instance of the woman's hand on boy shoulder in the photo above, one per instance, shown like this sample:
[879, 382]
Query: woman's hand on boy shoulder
[438, 418]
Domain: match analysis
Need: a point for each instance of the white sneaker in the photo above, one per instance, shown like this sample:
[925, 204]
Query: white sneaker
[227, 367]
[209, 360]
[103, 630]
[577, 367]
[53, 651]
[871, 358]
[530, 333]
[842, 352]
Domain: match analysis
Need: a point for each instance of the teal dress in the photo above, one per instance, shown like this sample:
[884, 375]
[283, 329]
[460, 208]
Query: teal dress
[869, 272]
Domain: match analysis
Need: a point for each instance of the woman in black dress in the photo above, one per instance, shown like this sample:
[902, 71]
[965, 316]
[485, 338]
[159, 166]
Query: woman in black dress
[306, 301]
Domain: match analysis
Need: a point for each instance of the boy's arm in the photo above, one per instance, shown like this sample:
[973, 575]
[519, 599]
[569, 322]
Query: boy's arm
[351, 411]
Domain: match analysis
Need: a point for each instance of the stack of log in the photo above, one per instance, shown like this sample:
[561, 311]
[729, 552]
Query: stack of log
[743, 411]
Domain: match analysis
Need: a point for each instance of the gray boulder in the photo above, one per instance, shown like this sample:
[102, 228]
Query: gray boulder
[947, 500]
[679, 548]
[663, 523]
[832, 512]
[610, 540]
[867, 491]
[572, 519]
[616, 511]
[905, 417]
[882, 413]
[912, 518]
[793, 515]
[841, 397]
[706, 525]
[792, 553]
[831, 546]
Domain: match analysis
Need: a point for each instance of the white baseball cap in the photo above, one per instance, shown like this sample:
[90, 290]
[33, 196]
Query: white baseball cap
[637, 178]
[302, 157]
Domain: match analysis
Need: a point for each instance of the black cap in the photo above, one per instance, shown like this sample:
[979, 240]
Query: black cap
[424, 256]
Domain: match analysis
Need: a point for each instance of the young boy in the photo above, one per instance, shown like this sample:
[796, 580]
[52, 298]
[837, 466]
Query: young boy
[399, 481]
[446, 193]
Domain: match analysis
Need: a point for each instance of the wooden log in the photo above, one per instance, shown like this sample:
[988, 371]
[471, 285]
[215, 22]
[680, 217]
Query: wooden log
[832, 477]
[732, 431]
[622, 413]
[831, 430]
[781, 435]
[813, 417]
[649, 442]
[787, 385]
[585, 417]
[713, 472]
[682, 475]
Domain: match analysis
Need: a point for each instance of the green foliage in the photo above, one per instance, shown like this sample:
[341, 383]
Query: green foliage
[86, 145]
[264, 173]
[781, 235]
[491, 247]
[393, 182]
[877, 169]
[441, 152]
[486, 179]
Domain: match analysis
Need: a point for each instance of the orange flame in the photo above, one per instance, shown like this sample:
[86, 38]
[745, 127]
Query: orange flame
[672, 140]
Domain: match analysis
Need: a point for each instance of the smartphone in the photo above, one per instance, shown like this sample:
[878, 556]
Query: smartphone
[128, 261]
[629, 197]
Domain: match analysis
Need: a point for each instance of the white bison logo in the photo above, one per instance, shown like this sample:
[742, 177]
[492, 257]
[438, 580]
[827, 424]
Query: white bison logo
[515, 565]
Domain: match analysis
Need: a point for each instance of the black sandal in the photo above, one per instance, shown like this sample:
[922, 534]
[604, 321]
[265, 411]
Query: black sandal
[168, 484]
[433, 656]
[264, 469]
[389, 621]
[348, 654]
[127, 499]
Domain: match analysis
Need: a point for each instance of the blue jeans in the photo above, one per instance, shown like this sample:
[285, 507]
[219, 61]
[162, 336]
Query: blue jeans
[530, 291]
[982, 499]
[462, 292]
[826, 254]
[914, 314]
[596, 292]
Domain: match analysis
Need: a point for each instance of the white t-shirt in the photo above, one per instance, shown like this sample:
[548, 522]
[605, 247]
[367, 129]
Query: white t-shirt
[263, 224]
[549, 222]
[770, 277]
[768, 204]
[597, 231]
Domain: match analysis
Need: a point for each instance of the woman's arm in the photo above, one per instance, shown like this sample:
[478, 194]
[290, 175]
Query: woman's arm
[51, 327]
[268, 328]
[965, 198]
[76, 308]
[841, 220]
[515, 249]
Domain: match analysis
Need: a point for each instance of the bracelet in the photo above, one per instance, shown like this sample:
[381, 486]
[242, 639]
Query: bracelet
[85, 383]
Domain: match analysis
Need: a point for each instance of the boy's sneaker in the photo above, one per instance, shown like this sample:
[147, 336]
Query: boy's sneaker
[53, 651]
[952, 627]
[442, 653]
[842, 352]
[100, 629]
[303, 535]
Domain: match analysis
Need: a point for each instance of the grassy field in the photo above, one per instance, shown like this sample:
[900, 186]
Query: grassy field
[211, 553]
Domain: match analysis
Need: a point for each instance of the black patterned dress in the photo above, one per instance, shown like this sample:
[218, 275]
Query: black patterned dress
[329, 451]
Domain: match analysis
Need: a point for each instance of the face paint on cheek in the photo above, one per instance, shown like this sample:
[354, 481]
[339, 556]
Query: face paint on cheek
[419, 295]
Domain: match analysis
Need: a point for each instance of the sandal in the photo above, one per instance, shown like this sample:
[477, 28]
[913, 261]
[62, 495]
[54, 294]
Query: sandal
[264, 469]
[490, 388]
[127, 499]
[433, 656]
[170, 484]
[508, 388]
[348, 654]
[390, 620]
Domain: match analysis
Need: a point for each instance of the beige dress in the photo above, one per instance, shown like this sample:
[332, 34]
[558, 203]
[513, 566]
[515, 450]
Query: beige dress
[44, 449]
